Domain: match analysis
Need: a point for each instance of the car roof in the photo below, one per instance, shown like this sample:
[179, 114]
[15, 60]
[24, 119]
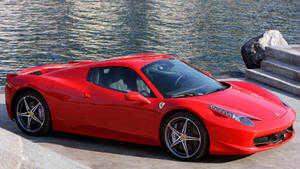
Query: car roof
[134, 60]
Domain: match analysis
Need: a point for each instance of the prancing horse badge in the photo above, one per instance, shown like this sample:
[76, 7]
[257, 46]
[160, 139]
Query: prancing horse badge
[161, 105]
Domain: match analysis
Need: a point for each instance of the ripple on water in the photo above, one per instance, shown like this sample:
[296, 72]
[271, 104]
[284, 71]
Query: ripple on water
[207, 33]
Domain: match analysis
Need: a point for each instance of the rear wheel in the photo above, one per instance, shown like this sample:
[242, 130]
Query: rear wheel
[32, 114]
[185, 137]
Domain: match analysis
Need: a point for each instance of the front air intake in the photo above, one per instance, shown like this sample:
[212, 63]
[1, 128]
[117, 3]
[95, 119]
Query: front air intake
[274, 138]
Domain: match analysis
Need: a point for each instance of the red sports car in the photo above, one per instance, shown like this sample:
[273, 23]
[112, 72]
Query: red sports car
[149, 99]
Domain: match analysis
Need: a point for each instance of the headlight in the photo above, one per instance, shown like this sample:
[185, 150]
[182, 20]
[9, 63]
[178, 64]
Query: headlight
[239, 118]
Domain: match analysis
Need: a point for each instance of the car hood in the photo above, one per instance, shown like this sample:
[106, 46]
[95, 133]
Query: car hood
[240, 101]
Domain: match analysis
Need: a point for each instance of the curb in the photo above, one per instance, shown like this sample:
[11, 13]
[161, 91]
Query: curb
[17, 152]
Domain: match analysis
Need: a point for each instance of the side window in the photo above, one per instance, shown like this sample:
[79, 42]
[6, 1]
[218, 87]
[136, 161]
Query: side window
[120, 79]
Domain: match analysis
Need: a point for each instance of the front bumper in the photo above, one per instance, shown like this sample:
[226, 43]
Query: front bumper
[275, 138]
[236, 140]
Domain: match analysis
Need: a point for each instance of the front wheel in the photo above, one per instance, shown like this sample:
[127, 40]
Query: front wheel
[32, 114]
[185, 137]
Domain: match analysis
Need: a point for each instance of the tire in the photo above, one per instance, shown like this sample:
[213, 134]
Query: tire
[186, 144]
[32, 108]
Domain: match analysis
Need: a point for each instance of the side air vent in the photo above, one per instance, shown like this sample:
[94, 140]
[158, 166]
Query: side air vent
[37, 73]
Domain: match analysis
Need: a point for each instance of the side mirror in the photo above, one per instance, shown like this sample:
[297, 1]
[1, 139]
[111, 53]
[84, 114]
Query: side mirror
[209, 74]
[135, 96]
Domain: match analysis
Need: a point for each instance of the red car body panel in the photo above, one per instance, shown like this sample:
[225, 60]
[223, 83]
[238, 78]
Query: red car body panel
[78, 106]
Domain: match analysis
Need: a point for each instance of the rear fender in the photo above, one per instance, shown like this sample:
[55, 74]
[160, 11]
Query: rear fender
[16, 83]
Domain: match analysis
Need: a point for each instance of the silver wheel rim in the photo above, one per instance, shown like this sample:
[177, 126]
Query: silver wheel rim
[30, 114]
[182, 137]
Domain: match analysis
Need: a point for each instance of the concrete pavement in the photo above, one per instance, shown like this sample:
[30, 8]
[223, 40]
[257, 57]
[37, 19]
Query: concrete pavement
[17, 152]
[62, 150]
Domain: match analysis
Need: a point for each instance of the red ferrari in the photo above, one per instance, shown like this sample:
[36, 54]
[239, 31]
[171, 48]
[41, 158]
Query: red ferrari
[149, 99]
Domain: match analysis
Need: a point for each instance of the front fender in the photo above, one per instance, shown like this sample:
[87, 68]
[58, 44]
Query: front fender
[256, 90]
[174, 105]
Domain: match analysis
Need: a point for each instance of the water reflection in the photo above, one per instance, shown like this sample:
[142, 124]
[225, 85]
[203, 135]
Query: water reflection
[209, 33]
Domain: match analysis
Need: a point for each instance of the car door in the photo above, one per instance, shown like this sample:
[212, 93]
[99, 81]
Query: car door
[110, 114]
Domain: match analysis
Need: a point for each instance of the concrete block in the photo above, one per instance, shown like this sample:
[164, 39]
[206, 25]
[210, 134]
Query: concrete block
[274, 80]
[281, 68]
[290, 55]
[17, 152]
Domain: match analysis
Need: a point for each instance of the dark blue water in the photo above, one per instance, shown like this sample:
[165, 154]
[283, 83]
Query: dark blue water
[208, 33]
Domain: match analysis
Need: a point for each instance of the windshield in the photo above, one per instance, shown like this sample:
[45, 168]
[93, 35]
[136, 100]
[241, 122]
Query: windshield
[174, 78]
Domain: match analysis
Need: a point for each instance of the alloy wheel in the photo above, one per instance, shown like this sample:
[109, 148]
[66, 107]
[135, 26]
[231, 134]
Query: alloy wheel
[183, 137]
[30, 114]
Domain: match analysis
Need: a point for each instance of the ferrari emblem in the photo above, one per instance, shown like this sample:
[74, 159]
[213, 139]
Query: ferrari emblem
[161, 105]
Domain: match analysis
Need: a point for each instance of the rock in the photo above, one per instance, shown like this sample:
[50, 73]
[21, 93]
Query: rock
[272, 38]
[253, 51]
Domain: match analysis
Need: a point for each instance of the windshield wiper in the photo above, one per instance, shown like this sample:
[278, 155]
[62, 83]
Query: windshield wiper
[187, 95]
[216, 90]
